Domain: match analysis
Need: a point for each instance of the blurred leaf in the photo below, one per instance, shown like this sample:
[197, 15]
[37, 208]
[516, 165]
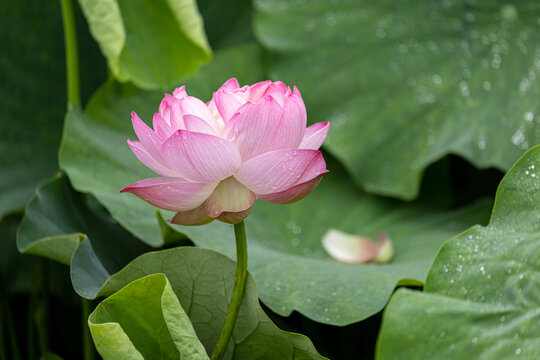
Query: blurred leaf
[144, 320]
[32, 90]
[203, 280]
[152, 43]
[60, 225]
[94, 152]
[405, 83]
[482, 295]
[227, 23]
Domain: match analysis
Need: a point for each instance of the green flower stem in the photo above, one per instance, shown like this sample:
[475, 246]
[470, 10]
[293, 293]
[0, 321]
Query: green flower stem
[72, 57]
[88, 345]
[237, 294]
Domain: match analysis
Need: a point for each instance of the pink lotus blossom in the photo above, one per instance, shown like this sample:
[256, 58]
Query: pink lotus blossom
[216, 158]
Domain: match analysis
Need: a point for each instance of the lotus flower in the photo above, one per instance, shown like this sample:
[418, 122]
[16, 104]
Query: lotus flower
[216, 158]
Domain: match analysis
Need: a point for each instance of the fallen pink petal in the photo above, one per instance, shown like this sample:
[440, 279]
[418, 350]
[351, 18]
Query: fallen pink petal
[216, 158]
[357, 249]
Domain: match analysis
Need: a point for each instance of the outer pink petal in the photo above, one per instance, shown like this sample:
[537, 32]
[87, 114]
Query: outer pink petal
[295, 193]
[180, 92]
[161, 127]
[314, 136]
[150, 140]
[279, 170]
[200, 157]
[254, 128]
[171, 193]
[230, 85]
[227, 104]
[151, 162]
[197, 216]
[230, 202]
[196, 124]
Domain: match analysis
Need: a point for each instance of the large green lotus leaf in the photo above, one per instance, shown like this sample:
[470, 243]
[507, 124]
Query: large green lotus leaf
[482, 293]
[152, 43]
[68, 227]
[294, 272]
[144, 320]
[202, 280]
[94, 152]
[32, 89]
[406, 82]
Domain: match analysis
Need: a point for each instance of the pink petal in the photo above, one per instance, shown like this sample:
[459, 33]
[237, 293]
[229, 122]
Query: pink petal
[230, 202]
[169, 109]
[295, 193]
[354, 249]
[254, 92]
[278, 91]
[262, 127]
[193, 106]
[197, 216]
[227, 104]
[279, 170]
[150, 140]
[230, 85]
[314, 136]
[253, 127]
[161, 127]
[293, 124]
[180, 92]
[196, 124]
[151, 162]
[200, 157]
[348, 248]
[171, 193]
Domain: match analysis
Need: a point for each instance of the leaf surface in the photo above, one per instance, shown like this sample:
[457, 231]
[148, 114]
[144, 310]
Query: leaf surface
[482, 296]
[406, 83]
[144, 320]
[152, 43]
